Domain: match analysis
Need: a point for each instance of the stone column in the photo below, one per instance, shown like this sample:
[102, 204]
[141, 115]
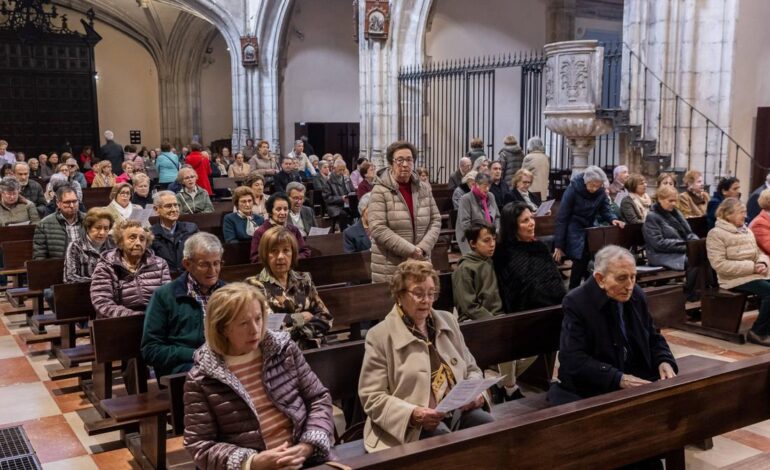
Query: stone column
[573, 84]
[560, 21]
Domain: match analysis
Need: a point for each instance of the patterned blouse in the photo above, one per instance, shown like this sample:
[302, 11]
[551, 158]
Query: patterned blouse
[299, 296]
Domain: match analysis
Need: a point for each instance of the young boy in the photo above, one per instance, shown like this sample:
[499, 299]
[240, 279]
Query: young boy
[474, 283]
[474, 287]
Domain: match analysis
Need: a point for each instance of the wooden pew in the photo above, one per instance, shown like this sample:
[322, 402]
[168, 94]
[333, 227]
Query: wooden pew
[96, 197]
[325, 245]
[70, 309]
[698, 226]
[721, 309]
[236, 253]
[606, 431]
[15, 254]
[42, 274]
[17, 233]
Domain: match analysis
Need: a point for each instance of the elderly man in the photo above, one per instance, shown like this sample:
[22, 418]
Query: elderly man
[30, 189]
[55, 232]
[75, 174]
[173, 323]
[619, 178]
[336, 193]
[287, 174]
[170, 234]
[608, 340]
[457, 177]
[113, 152]
[300, 215]
[320, 180]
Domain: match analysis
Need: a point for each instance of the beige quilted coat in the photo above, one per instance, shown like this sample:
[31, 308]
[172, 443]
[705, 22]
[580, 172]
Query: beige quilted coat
[394, 237]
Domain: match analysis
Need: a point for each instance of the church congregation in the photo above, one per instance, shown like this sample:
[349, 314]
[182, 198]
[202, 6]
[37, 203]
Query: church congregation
[580, 281]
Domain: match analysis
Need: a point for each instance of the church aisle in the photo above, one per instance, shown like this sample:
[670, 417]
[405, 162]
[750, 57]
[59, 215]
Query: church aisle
[52, 413]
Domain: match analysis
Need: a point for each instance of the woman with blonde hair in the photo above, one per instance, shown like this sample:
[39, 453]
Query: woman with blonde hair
[120, 205]
[251, 400]
[694, 200]
[103, 175]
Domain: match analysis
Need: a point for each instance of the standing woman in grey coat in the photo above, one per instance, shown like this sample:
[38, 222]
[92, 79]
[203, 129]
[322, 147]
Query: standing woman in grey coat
[404, 220]
[511, 157]
[477, 206]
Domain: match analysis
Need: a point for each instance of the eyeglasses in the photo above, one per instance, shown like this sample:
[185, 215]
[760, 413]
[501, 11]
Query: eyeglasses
[190, 177]
[404, 161]
[124, 193]
[206, 265]
[422, 296]
[68, 203]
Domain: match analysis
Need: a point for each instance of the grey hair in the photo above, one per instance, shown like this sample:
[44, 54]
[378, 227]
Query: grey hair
[483, 178]
[535, 144]
[109, 135]
[618, 169]
[299, 141]
[322, 164]
[62, 187]
[313, 158]
[464, 159]
[202, 243]
[10, 184]
[594, 174]
[157, 196]
[21, 164]
[479, 161]
[295, 186]
[363, 204]
[608, 254]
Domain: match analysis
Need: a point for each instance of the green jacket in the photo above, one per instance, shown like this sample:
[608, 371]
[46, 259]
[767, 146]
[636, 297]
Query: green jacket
[51, 239]
[173, 328]
[199, 203]
[474, 288]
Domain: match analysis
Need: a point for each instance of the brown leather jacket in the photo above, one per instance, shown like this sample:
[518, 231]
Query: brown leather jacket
[221, 424]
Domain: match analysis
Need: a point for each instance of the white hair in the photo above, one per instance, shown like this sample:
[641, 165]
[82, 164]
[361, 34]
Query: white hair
[202, 243]
[21, 164]
[160, 194]
[594, 174]
[535, 144]
[619, 169]
[607, 255]
[109, 135]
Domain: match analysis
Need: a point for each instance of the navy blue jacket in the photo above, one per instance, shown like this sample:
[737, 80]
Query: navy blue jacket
[171, 247]
[591, 347]
[577, 212]
[234, 227]
[355, 239]
[711, 209]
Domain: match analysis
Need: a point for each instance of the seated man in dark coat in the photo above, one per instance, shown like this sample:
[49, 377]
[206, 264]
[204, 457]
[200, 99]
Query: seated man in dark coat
[608, 340]
[170, 233]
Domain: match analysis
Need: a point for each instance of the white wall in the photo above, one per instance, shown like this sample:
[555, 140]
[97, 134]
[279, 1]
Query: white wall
[462, 29]
[216, 93]
[320, 80]
[751, 67]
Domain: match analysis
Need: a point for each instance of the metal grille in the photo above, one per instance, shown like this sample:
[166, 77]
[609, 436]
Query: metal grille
[15, 450]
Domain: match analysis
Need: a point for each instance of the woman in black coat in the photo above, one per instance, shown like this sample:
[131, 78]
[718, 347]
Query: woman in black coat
[527, 275]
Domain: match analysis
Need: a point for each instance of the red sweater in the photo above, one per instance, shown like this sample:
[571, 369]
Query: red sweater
[202, 167]
[406, 191]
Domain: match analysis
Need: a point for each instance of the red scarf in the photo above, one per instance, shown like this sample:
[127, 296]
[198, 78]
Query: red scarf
[483, 198]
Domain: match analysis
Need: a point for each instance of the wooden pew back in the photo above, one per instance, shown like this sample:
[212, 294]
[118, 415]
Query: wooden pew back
[16, 253]
[43, 273]
[96, 197]
[17, 233]
[325, 245]
[70, 301]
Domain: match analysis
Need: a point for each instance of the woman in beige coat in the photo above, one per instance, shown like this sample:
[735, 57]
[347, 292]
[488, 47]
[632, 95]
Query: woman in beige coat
[693, 202]
[539, 164]
[404, 220]
[413, 359]
[740, 264]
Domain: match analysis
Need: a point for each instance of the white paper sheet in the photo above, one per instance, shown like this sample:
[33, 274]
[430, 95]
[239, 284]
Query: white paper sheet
[649, 269]
[544, 208]
[142, 215]
[318, 231]
[26, 222]
[465, 392]
[275, 321]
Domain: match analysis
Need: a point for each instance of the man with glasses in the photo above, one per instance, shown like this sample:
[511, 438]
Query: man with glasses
[75, 174]
[30, 189]
[55, 232]
[404, 221]
[170, 233]
[173, 324]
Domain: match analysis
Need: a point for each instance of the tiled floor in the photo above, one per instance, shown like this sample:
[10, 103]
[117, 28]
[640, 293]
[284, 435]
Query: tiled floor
[52, 413]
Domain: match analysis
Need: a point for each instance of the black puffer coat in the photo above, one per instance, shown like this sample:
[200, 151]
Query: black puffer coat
[527, 276]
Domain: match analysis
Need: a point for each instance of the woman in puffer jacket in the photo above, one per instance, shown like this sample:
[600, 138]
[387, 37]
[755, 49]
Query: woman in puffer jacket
[125, 278]
[251, 400]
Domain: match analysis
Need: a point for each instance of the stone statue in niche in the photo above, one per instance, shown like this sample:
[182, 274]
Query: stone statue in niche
[377, 21]
[574, 78]
[249, 52]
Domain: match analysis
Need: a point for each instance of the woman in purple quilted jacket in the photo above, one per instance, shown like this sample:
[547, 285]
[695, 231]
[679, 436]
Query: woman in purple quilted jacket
[125, 278]
[251, 401]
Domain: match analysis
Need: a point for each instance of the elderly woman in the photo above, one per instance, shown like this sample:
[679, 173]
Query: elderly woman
[192, 198]
[141, 196]
[693, 202]
[584, 201]
[527, 275]
[304, 166]
[120, 202]
[239, 168]
[666, 232]
[278, 207]
[397, 392]
[356, 237]
[128, 172]
[263, 161]
[636, 205]
[740, 264]
[727, 187]
[241, 224]
[125, 277]
[522, 181]
[404, 220]
[368, 173]
[84, 253]
[481, 165]
[423, 174]
[256, 182]
[251, 401]
[15, 209]
[63, 174]
[468, 182]
[103, 175]
[290, 292]
[539, 164]
[478, 206]
[760, 226]
[34, 167]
